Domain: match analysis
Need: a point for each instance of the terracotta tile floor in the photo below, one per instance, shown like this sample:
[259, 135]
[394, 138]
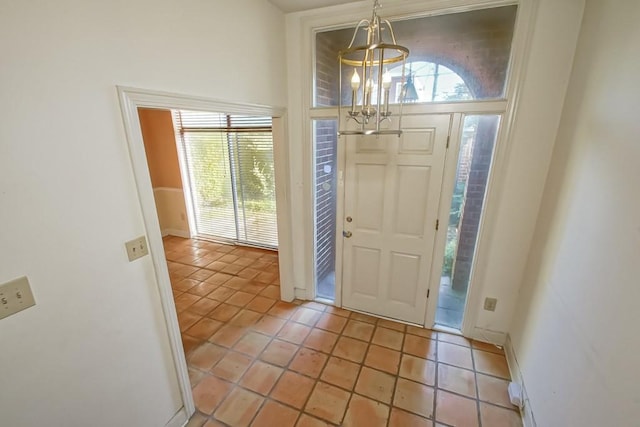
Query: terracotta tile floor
[254, 360]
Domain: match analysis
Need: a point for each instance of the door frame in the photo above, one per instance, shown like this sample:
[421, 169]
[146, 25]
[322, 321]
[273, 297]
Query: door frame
[457, 111]
[301, 50]
[130, 100]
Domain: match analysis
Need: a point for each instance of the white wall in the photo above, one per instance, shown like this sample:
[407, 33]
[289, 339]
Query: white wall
[516, 194]
[576, 329]
[94, 350]
[172, 211]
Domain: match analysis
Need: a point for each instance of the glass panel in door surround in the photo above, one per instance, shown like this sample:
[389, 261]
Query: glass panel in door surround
[474, 163]
[453, 57]
[325, 134]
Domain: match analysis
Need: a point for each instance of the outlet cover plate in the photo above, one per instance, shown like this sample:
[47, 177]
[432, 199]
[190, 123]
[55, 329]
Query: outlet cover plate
[490, 304]
[137, 248]
[15, 296]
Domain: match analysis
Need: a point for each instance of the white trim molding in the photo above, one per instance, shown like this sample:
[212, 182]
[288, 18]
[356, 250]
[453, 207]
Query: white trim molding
[301, 28]
[522, 37]
[175, 232]
[130, 100]
[486, 335]
[180, 419]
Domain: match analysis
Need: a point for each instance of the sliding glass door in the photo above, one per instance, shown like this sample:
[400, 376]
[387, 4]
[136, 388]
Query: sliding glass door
[229, 165]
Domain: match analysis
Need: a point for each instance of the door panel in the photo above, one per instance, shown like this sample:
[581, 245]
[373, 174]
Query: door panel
[403, 277]
[365, 279]
[409, 205]
[392, 191]
[370, 196]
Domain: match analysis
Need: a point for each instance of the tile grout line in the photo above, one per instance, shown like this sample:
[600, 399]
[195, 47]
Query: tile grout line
[285, 368]
[316, 380]
[313, 326]
[435, 381]
[329, 355]
[236, 384]
[475, 377]
[397, 375]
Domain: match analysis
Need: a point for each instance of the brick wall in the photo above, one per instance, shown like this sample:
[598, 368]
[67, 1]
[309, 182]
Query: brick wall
[325, 196]
[326, 83]
[481, 157]
[325, 157]
[476, 45]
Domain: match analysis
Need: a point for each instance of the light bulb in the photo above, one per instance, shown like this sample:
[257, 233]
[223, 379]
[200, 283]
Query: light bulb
[355, 80]
[386, 79]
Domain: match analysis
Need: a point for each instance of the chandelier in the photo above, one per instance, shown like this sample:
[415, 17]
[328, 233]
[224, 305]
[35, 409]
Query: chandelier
[371, 81]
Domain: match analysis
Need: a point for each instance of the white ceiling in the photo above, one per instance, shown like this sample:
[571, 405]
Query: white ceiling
[300, 5]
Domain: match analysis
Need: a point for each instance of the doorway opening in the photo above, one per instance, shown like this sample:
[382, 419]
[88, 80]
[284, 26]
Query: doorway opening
[201, 286]
[479, 133]
[219, 169]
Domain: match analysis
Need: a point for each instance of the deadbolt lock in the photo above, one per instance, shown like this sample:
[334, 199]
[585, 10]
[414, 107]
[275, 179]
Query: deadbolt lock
[349, 219]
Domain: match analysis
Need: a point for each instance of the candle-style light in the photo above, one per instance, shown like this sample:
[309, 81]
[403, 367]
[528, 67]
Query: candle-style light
[386, 85]
[372, 59]
[367, 97]
[355, 85]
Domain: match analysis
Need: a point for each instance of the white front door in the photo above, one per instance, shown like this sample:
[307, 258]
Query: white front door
[391, 198]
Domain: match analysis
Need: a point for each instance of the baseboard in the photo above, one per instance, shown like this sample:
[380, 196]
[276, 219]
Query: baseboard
[180, 419]
[302, 294]
[489, 336]
[169, 189]
[175, 232]
[528, 420]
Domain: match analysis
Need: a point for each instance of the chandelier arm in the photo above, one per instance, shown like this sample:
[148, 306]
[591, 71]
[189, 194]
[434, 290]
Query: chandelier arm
[355, 32]
[393, 37]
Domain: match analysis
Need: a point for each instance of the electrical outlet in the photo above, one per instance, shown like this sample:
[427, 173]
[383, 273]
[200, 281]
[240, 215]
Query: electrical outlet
[15, 296]
[490, 304]
[137, 248]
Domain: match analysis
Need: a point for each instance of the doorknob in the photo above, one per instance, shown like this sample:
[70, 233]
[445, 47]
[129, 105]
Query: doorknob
[347, 234]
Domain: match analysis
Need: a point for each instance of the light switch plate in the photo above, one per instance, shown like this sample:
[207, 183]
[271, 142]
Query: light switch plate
[15, 296]
[137, 248]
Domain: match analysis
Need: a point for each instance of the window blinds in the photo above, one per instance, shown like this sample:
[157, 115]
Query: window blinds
[229, 160]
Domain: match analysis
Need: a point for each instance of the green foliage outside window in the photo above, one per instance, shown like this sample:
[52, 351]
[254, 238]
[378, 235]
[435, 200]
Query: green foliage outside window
[253, 164]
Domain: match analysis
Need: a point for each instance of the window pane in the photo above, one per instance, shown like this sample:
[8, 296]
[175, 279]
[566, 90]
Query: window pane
[255, 184]
[452, 57]
[474, 162]
[325, 134]
[207, 158]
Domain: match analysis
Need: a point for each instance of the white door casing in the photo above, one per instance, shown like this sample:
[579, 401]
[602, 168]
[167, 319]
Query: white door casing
[391, 199]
